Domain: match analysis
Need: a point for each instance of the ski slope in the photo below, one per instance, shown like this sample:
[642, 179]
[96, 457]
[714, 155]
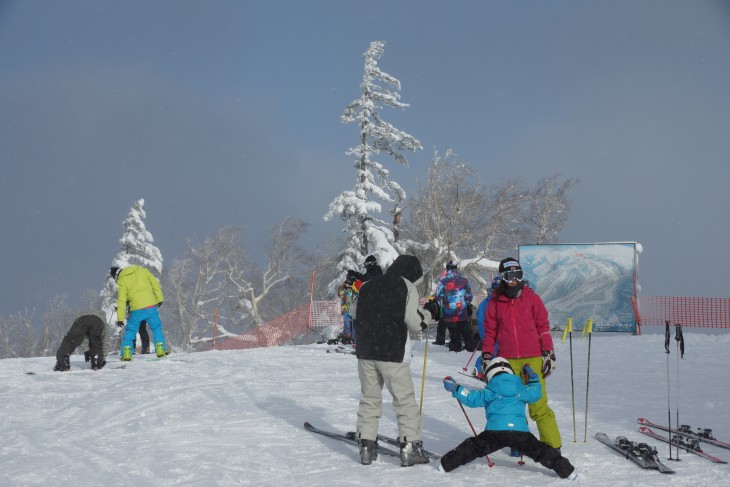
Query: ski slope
[236, 417]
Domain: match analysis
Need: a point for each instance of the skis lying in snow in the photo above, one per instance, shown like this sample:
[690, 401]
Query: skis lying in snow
[342, 349]
[396, 442]
[349, 437]
[703, 434]
[30, 372]
[641, 454]
[689, 444]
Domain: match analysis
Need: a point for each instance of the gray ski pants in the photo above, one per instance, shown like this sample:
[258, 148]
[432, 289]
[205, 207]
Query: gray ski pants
[396, 377]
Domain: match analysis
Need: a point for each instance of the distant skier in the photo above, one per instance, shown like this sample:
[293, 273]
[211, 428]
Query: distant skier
[138, 288]
[504, 400]
[372, 269]
[89, 325]
[453, 293]
[347, 293]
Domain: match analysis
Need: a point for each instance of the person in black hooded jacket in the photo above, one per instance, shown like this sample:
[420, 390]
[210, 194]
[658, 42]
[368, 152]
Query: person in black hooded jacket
[386, 311]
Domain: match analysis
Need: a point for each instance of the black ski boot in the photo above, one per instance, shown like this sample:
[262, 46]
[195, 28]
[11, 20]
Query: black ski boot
[97, 363]
[64, 365]
[705, 433]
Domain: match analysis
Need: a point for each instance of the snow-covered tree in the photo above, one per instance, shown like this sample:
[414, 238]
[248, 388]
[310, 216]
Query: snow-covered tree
[216, 286]
[365, 232]
[549, 207]
[137, 248]
[447, 216]
[454, 217]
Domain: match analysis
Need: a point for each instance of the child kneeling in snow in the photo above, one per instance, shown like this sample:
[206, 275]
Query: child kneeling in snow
[504, 399]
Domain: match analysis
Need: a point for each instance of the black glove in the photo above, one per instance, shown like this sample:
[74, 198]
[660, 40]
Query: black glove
[548, 362]
[469, 309]
[159, 304]
[120, 324]
[433, 308]
[87, 355]
[486, 358]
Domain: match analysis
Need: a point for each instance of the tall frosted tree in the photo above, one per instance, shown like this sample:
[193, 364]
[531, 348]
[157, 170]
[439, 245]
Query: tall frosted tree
[366, 232]
[137, 248]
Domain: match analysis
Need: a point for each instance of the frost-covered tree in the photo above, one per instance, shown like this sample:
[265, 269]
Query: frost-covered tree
[217, 291]
[448, 215]
[137, 248]
[549, 207]
[454, 217]
[365, 232]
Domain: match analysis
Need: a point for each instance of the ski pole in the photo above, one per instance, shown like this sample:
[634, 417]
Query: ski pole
[589, 327]
[489, 461]
[423, 376]
[669, 404]
[466, 367]
[680, 354]
[569, 331]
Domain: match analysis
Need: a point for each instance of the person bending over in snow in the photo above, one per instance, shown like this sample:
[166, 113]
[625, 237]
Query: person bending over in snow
[89, 325]
[504, 399]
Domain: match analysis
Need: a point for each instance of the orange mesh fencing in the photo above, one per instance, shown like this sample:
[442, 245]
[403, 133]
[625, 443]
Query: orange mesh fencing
[686, 311]
[279, 331]
[293, 327]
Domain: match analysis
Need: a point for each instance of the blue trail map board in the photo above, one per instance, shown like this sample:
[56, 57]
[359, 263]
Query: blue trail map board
[584, 281]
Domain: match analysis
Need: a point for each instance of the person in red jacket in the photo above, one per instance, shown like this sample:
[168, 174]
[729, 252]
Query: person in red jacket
[516, 319]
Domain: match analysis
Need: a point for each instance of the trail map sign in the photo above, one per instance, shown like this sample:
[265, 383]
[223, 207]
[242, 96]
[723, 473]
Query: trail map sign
[584, 281]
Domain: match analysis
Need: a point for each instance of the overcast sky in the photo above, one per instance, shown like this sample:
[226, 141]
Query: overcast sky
[228, 113]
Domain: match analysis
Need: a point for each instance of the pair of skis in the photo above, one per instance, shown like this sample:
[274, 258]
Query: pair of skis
[684, 438]
[351, 437]
[342, 349]
[643, 455]
[30, 372]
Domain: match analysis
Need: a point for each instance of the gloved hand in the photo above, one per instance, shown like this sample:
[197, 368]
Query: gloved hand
[160, 304]
[469, 309]
[450, 384]
[87, 355]
[548, 362]
[120, 324]
[531, 374]
[486, 357]
[432, 307]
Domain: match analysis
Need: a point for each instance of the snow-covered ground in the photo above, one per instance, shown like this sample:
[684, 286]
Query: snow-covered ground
[235, 417]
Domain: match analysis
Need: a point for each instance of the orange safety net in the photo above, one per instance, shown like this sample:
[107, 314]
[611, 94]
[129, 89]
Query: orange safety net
[293, 326]
[686, 311]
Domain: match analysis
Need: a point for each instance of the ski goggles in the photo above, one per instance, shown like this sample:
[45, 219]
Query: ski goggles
[509, 276]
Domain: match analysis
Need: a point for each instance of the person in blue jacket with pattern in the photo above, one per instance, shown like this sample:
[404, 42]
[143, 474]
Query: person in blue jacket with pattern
[504, 400]
[454, 295]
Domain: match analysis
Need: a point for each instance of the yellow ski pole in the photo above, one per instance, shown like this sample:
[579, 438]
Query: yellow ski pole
[423, 376]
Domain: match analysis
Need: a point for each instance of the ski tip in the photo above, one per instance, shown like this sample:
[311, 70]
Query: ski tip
[307, 424]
